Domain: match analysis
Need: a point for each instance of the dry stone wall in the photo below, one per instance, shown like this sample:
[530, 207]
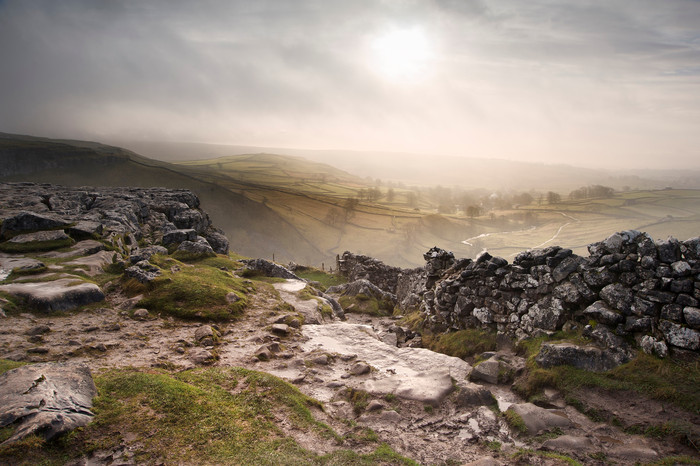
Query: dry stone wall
[629, 289]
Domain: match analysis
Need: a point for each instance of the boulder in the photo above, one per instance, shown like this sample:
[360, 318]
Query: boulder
[58, 295]
[48, 399]
[589, 358]
[30, 221]
[600, 311]
[145, 254]
[471, 394]
[197, 248]
[269, 269]
[143, 271]
[677, 335]
[179, 235]
[538, 419]
[428, 387]
[487, 371]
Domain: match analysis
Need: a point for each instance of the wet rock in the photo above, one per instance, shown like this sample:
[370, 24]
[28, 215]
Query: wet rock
[46, 399]
[58, 295]
[538, 419]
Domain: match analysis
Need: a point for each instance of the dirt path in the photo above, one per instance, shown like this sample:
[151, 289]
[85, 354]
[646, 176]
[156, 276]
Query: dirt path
[349, 366]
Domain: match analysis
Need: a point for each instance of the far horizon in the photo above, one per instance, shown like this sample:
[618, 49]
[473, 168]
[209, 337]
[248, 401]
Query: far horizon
[599, 86]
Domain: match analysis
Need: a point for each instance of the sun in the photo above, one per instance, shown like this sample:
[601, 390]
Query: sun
[402, 54]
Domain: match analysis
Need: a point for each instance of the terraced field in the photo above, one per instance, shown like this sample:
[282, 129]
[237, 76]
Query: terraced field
[314, 198]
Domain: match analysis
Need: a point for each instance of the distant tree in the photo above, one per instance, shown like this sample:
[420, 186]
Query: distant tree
[473, 211]
[374, 194]
[349, 207]
[412, 199]
[390, 195]
[553, 198]
[334, 216]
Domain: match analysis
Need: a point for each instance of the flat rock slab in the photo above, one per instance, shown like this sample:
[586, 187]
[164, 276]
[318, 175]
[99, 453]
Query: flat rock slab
[413, 373]
[429, 387]
[95, 263]
[538, 419]
[46, 399]
[58, 295]
[40, 236]
[22, 264]
[81, 248]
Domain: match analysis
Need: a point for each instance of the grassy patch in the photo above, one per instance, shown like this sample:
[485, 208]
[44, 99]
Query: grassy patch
[525, 455]
[324, 278]
[195, 292]
[202, 416]
[515, 421]
[364, 304]
[462, 344]
[6, 365]
[359, 399]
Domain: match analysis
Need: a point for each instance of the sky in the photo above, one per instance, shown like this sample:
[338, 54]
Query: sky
[609, 83]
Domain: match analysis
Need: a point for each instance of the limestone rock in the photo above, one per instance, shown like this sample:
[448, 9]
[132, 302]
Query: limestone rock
[197, 248]
[486, 371]
[428, 387]
[58, 295]
[600, 311]
[269, 269]
[538, 419]
[569, 443]
[31, 221]
[46, 399]
[40, 237]
[584, 357]
[180, 235]
[677, 335]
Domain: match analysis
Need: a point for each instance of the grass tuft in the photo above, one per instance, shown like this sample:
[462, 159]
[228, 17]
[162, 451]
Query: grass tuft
[462, 344]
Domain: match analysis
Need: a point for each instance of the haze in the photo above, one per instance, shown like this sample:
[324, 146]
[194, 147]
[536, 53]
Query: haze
[599, 84]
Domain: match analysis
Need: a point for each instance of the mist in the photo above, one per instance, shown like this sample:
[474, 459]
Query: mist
[612, 85]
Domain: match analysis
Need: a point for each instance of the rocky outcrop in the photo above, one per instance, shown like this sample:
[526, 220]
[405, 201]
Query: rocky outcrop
[58, 295]
[47, 399]
[127, 216]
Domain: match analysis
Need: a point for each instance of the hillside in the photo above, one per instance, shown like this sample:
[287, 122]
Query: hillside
[257, 230]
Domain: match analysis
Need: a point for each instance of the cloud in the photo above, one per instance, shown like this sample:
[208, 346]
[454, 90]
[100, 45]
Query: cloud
[545, 80]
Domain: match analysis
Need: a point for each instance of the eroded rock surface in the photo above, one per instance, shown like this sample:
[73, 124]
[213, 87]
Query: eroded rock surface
[47, 399]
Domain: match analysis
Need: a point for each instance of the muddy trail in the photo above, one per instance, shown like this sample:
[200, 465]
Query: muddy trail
[420, 402]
